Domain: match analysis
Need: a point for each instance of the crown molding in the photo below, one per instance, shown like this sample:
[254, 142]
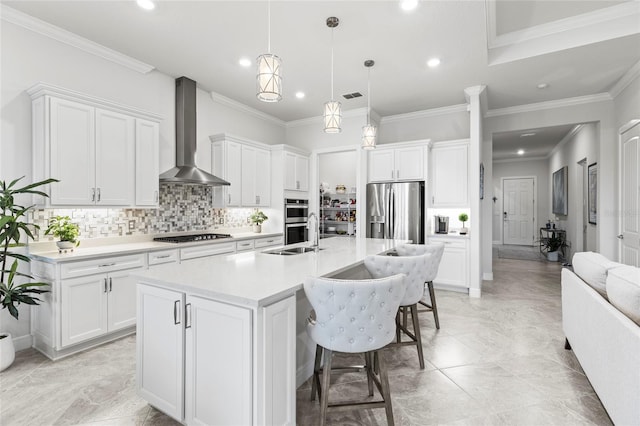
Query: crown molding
[625, 80]
[565, 139]
[541, 106]
[223, 100]
[603, 24]
[16, 17]
[416, 115]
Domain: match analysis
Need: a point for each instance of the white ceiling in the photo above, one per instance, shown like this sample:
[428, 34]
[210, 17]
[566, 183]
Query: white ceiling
[204, 40]
[536, 143]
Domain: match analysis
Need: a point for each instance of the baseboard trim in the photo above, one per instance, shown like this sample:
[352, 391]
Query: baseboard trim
[475, 292]
[303, 373]
[487, 276]
[23, 342]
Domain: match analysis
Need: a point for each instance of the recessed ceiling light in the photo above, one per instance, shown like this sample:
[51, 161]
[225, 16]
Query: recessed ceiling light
[433, 62]
[299, 95]
[520, 151]
[146, 4]
[526, 135]
[408, 4]
[543, 85]
[245, 62]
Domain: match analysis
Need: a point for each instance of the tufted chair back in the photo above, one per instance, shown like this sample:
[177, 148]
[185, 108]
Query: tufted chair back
[354, 315]
[436, 250]
[414, 267]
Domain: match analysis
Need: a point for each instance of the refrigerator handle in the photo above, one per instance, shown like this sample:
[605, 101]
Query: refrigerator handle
[392, 212]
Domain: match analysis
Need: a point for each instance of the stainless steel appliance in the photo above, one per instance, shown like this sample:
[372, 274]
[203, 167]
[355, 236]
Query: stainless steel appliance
[396, 210]
[296, 212]
[190, 238]
[441, 225]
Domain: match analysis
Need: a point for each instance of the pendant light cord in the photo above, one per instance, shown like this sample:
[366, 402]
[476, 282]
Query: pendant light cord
[331, 64]
[369, 95]
[269, 26]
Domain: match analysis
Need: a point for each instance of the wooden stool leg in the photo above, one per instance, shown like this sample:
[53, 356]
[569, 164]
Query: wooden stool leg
[416, 332]
[315, 380]
[398, 336]
[326, 380]
[384, 384]
[368, 359]
[434, 306]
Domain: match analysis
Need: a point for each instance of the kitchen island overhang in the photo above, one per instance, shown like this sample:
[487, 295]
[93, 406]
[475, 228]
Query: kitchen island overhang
[231, 325]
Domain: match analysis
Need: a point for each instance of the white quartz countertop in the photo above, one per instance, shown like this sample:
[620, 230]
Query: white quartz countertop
[258, 278]
[88, 251]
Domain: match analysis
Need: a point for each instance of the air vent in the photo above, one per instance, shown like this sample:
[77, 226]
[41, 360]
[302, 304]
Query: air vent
[352, 95]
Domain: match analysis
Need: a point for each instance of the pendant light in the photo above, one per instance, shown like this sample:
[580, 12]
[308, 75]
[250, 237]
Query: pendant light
[269, 79]
[332, 109]
[369, 132]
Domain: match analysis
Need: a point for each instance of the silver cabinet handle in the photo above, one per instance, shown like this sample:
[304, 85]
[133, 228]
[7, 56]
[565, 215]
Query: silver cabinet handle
[176, 313]
[187, 315]
[164, 256]
[110, 284]
[270, 241]
[105, 285]
[297, 184]
[228, 198]
[155, 196]
[98, 195]
[397, 174]
[104, 265]
[93, 194]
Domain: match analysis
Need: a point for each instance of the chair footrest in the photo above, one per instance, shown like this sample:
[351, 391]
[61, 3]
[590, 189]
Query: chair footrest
[351, 405]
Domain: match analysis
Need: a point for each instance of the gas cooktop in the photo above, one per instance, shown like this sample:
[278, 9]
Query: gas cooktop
[191, 238]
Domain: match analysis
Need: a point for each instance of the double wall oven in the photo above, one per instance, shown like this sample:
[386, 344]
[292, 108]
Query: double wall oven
[296, 212]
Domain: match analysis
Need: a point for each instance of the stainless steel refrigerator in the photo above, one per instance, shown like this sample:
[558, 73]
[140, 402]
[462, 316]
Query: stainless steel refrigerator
[396, 211]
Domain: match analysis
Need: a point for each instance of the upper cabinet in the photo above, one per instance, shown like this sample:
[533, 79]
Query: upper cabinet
[246, 165]
[396, 164]
[296, 173]
[449, 174]
[102, 153]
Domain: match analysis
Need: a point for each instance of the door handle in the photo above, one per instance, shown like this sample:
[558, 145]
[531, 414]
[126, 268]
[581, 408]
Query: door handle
[504, 215]
[98, 200]
[110, 284]
[187, 315]
[93, 194]
[621, 237]
[228, 198]
[155, 196]
[105, 285]
[176, 313]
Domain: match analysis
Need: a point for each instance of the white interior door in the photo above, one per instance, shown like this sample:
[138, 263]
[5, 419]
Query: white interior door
[630, 197]
[518, 216]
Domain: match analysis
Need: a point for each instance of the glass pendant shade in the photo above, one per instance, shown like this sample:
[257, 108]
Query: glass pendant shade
[269, 79]
[332, 117]
[369, 136]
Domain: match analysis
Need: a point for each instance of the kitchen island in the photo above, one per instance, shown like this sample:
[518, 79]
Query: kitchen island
[217, 337]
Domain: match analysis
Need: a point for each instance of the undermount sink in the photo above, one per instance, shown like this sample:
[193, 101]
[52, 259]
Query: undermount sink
[293, 250]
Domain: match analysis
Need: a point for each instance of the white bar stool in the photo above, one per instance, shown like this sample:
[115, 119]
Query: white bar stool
[353, 316]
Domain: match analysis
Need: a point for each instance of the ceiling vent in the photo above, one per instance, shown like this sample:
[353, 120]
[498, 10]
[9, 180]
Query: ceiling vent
[352, 95]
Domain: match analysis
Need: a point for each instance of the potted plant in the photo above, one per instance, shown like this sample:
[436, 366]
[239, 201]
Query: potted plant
[463, 217]
[65, 230]
[552, 245]
[257, 218]
[12, 228]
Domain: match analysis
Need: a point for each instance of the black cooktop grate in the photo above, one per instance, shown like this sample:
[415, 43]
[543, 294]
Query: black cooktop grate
[191, 238]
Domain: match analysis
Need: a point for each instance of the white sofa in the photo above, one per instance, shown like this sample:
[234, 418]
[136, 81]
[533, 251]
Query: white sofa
[605, 340]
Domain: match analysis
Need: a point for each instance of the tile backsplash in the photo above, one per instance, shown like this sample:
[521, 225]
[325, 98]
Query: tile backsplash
[181, 208]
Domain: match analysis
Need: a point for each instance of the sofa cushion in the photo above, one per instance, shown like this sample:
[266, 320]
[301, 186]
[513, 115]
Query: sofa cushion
[592, 268]
[623, 289]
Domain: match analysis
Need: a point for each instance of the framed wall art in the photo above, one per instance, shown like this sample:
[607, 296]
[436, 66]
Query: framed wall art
[592, 173]
[559, 191]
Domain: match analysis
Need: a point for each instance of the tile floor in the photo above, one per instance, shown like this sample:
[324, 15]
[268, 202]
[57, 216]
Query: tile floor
[497, 360]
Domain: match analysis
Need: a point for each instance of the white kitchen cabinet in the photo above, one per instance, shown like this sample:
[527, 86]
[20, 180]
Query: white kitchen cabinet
[396, 164]
[89, 145]
[296, 173]
[453, 271]
[246, 165]
[449, 174]
[147, 163]
[160, 349]
[160, 257]
[260, 243]
[206, 250]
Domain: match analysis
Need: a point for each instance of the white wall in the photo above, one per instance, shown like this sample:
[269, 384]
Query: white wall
[337, 168]
[524, 168]
[309, 134]
[627, 103]
[428, 125]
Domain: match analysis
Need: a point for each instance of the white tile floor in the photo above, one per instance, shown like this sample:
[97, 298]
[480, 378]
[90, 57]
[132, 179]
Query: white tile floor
[497, 360]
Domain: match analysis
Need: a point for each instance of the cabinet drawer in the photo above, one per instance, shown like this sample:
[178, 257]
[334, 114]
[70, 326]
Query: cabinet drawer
[43, 270]
[244, 245]
[163, 256]
[207, 250]
[102, 265]
[271, 241]
[450, 242]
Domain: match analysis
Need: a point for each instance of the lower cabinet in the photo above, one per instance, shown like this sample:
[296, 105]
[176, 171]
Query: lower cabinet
[196, 358]
[453, 271]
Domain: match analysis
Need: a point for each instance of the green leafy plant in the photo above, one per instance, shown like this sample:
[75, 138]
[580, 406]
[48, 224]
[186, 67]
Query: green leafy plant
[12, 228]
[553, 243]
[63, 228]
[258, 217]
[463, 217]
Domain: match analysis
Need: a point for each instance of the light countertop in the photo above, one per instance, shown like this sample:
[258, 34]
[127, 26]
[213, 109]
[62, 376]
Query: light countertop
[449, 235]
[256, 278]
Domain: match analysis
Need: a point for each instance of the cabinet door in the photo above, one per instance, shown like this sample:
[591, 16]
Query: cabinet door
[147, 163]
[160, 349]
[249, 163]
[72, 137]
[453, 268]
[115, 147]
[381, 165]
[302, 173]
[234, 174]
[290, 180]
[122, 300]
[262, 175]
[83, 308]
[218, 369]
[409, 163]
[449, 167]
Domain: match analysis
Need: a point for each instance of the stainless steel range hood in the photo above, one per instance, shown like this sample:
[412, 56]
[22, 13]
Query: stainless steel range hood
[186, 171]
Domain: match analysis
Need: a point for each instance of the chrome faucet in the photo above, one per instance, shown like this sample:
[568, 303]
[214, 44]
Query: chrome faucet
[315, 237]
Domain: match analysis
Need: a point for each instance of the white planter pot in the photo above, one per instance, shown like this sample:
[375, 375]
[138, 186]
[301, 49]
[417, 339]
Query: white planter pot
[7, 351]
[552, 256]
[257, 228]
[65, 245]
[464, 231]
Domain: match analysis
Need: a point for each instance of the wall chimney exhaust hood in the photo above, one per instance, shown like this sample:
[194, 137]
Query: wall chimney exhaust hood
[186, 171]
